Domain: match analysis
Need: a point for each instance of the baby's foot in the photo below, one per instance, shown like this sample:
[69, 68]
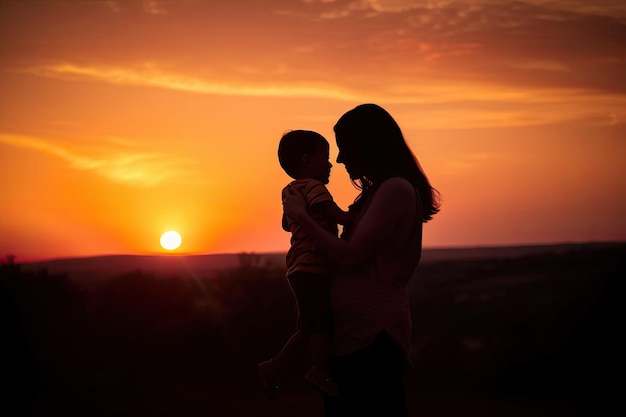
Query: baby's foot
[322, 381]
[269, 379]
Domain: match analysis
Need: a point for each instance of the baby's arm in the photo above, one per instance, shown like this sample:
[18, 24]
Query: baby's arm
[285, 223]
[388, 207]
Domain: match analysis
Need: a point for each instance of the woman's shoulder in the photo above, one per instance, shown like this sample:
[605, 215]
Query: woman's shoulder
[393, 194]
[397, 186]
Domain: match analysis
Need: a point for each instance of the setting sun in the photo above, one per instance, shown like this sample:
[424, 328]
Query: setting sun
[171, 240]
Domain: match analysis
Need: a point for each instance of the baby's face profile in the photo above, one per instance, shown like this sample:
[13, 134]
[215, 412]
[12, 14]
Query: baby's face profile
[319, 165]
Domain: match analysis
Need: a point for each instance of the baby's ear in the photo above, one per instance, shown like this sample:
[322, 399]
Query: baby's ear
[306, 160]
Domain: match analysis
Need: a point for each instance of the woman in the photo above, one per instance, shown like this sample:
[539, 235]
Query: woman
[375, 258]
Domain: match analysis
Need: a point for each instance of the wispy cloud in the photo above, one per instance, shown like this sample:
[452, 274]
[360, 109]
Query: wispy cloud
[613, 8]
[154, 7]
[468, 162]
[150, 75]
[118, 160]
[525, 43]
[112, 6]
[542, 66]
[471, 103]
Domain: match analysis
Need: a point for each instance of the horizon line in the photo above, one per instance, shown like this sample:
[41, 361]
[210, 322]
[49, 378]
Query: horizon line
[194, 254]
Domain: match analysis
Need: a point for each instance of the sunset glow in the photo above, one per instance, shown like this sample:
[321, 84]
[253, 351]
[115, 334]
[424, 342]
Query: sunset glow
[121, 119]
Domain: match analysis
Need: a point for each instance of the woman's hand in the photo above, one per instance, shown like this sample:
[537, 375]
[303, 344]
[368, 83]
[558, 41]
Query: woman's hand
[294, 203]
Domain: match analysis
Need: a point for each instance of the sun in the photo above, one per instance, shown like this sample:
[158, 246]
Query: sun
[171, 240]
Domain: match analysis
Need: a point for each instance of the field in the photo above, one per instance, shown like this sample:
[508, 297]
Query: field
[526, 331]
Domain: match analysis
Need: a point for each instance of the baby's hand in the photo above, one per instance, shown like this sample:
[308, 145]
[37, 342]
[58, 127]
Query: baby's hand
[294, 203]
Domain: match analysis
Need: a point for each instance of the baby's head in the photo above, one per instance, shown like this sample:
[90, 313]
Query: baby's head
[304, 154]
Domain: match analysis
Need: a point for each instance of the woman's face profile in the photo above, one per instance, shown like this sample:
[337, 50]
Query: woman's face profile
[349, 155]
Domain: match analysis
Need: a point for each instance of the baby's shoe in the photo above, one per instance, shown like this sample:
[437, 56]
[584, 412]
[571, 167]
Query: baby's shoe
[323, 382]
[269, 379]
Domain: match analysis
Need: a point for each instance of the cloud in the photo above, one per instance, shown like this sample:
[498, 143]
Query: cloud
[609, 8]
[113, 6]
[149, 75]
[534, 43]
[471, 102]
[153, 7]
[542, 66]
[116, 159]
[468, 162]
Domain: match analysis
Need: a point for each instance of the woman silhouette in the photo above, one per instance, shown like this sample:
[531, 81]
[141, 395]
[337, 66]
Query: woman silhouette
[375, 258]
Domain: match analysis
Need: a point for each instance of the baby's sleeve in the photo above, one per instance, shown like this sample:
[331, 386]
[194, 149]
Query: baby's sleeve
[317, 193]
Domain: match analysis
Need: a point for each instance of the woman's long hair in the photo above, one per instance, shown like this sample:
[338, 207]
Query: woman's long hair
[385, 154]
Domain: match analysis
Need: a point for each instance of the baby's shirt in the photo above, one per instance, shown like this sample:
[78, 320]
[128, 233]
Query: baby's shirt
[303, 254]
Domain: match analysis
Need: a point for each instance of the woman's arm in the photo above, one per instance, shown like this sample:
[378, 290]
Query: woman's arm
[333, 211]
[379, 222]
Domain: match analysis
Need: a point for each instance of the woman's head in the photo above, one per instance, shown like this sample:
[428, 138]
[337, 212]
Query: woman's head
[370, 144]
[372, 148]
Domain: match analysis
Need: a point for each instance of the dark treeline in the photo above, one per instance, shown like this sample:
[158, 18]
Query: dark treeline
[522, 336]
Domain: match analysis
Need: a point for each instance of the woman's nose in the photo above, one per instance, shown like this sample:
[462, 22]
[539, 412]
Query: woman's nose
[339, 159]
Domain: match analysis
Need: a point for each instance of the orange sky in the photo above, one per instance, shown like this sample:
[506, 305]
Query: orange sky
[120, 120]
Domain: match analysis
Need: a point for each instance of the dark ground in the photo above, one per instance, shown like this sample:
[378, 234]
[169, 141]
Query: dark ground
[535, 335]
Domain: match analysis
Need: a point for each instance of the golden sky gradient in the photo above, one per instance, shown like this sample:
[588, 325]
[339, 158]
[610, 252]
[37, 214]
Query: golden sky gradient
[120, 120]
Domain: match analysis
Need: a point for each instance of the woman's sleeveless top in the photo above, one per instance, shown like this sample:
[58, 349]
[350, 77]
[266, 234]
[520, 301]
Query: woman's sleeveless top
[373, 298]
